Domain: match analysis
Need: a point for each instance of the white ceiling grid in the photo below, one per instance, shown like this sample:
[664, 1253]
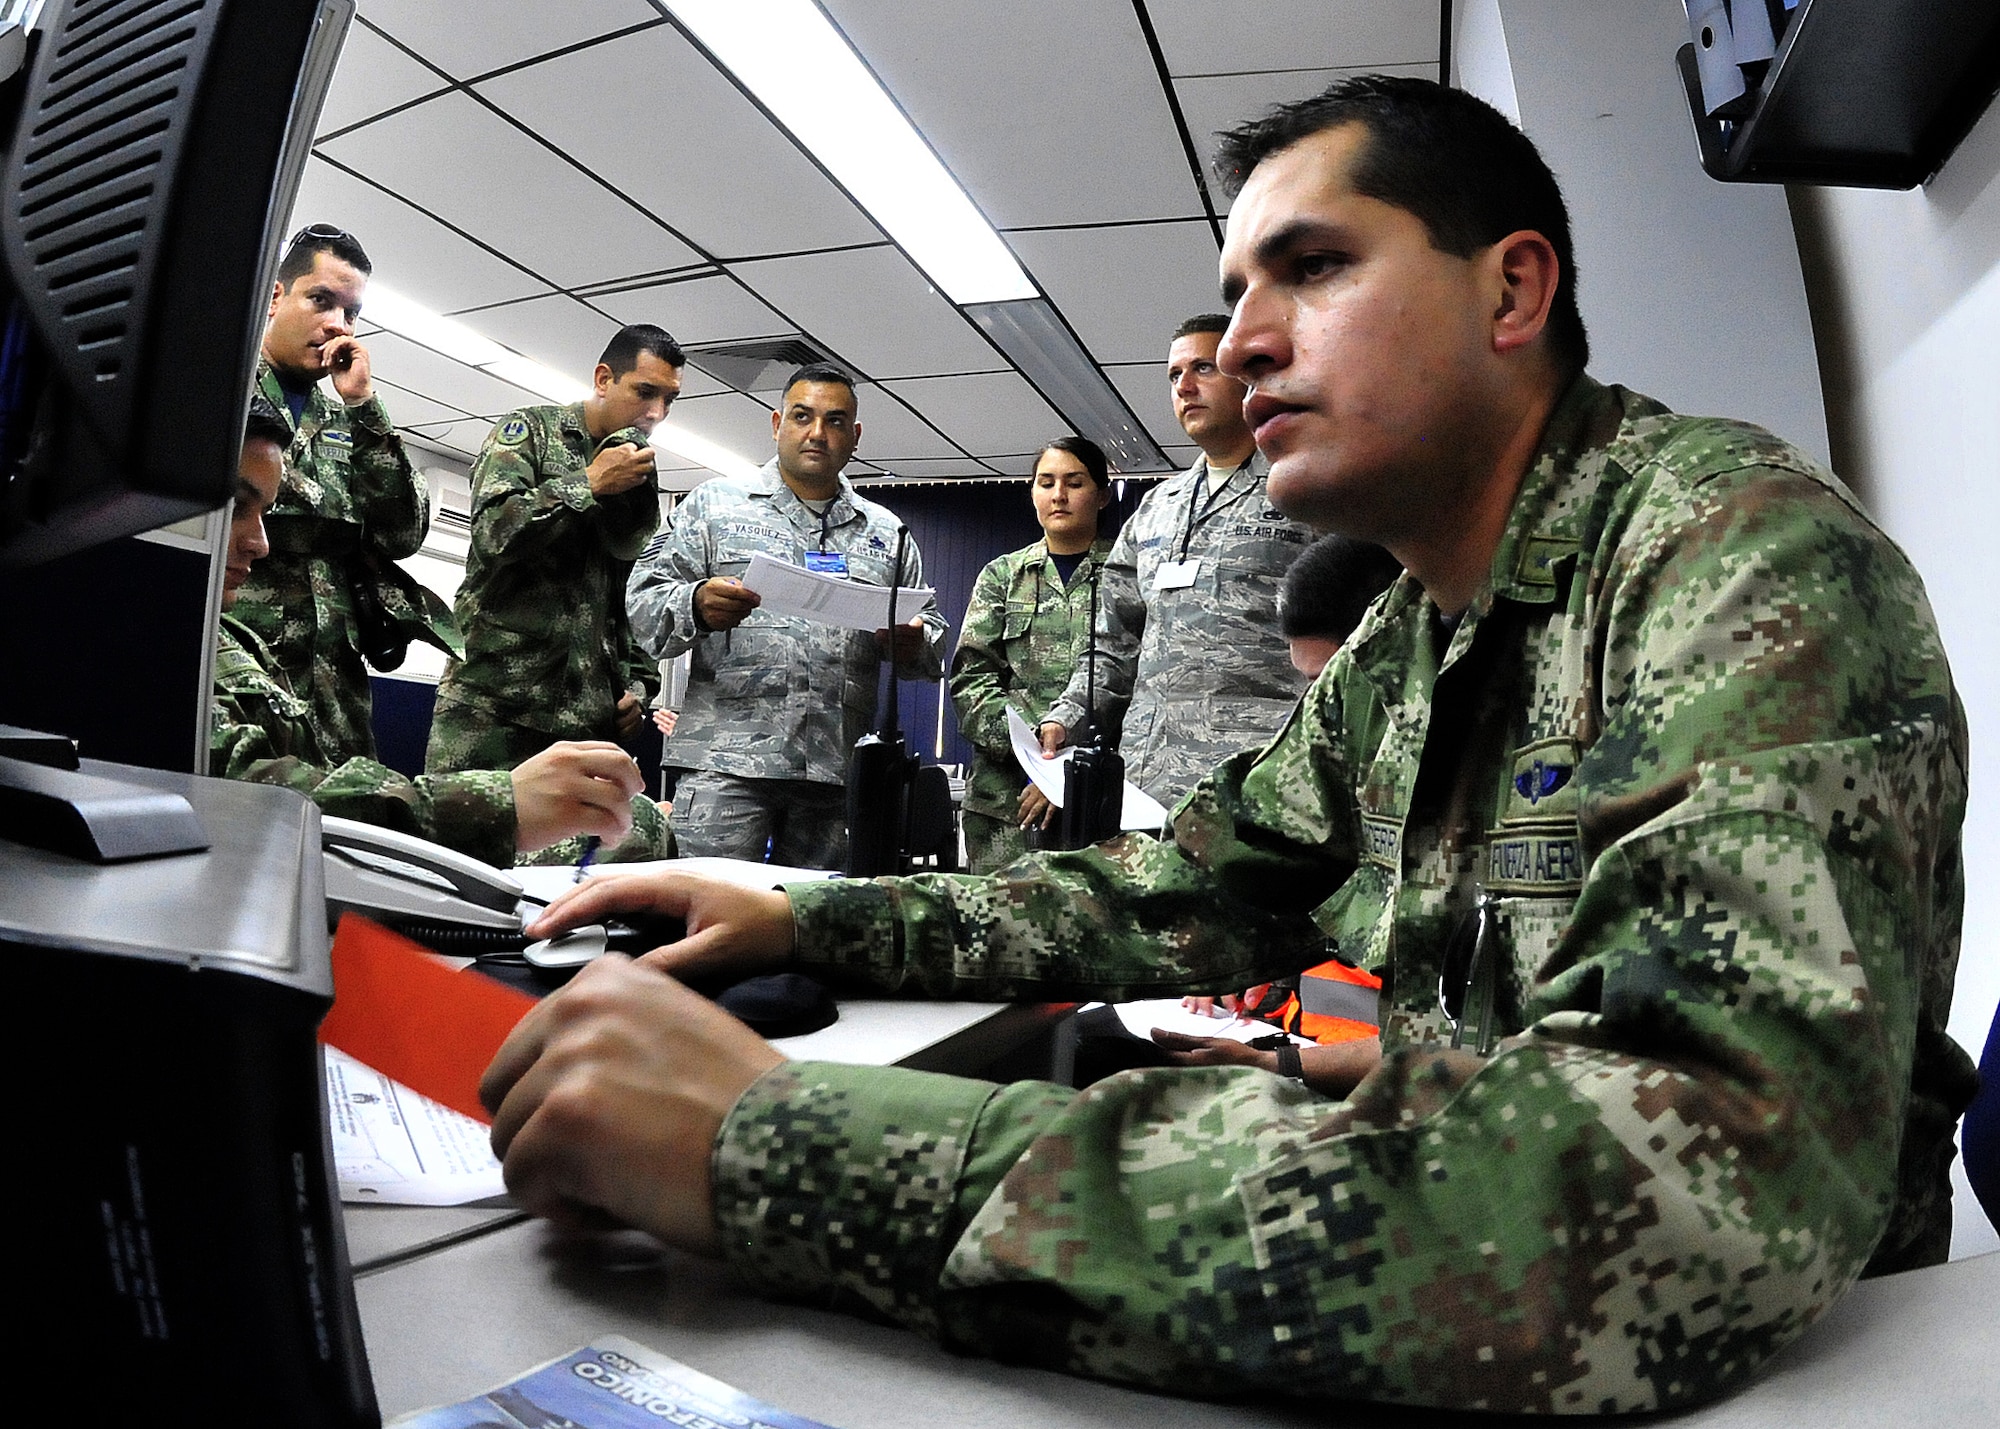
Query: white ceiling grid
[549, 171]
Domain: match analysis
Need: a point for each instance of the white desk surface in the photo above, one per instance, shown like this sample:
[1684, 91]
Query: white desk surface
[452, 1324]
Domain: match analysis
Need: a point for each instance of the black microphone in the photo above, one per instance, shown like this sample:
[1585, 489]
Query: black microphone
[1094, 779]
[880, 771]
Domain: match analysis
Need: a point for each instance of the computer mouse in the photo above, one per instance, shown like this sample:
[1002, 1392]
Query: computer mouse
[568, 950]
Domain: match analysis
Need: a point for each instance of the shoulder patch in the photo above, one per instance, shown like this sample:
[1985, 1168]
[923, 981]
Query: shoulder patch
[512, 432]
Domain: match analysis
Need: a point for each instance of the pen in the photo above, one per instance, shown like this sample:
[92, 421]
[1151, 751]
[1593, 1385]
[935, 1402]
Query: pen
[589, 853]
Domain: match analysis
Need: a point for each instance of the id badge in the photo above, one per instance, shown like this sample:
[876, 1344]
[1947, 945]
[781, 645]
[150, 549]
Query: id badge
[827, 563]
[1176, 575]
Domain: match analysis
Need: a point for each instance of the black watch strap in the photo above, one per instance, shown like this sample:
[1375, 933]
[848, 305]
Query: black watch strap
[1289, 1064]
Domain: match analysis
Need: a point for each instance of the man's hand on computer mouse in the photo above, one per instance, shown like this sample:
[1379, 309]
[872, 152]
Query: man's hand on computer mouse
[730, 929]
[607, 1097]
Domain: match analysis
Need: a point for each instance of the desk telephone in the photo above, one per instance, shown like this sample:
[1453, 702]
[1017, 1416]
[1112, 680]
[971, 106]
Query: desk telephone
[450, 902]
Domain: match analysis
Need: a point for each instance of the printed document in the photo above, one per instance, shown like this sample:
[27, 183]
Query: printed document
[829, 599]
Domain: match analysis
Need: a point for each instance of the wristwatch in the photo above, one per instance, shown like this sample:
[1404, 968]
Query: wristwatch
[1289, 1064]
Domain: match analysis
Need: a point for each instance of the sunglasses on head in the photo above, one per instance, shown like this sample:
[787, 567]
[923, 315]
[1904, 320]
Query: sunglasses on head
[321, 233]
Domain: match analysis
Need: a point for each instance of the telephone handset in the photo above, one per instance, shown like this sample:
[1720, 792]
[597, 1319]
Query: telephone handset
[396, 878]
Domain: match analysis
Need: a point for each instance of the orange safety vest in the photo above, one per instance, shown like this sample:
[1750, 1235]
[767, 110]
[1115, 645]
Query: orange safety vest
[1332, 1003]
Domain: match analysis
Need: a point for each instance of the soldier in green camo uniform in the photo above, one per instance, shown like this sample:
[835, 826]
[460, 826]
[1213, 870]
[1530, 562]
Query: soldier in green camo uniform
[1191, 666]
[261, 731]
[1642, 790]
[1026, 626]
[563, 500]
[352, 505]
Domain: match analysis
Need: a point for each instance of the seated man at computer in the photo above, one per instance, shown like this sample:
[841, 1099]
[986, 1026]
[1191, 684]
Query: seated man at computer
[1642, 792]
[262, 731]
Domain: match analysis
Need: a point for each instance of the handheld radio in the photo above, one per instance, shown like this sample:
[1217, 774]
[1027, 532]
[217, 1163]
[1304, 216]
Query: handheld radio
[880, 772]
[1094, 778]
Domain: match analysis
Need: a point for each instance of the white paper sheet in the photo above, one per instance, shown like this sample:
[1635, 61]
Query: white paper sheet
[546, 883]
[1140, 811]
[831, 600]
[396, 1147]
[1167, 1014]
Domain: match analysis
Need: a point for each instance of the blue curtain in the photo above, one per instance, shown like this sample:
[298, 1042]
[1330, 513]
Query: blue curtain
[960, 527]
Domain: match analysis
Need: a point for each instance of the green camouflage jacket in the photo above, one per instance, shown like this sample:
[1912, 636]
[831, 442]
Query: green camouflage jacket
[1189, 675]
[547, 644]
[261, 732]
[1024, 632]
[350, 506]
[779, 696]
[1699, 740]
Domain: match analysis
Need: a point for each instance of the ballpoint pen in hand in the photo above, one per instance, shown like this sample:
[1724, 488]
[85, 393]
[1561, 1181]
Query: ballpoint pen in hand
[590, 846]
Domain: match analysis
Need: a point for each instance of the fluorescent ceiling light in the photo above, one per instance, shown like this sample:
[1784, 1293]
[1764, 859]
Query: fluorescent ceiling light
[392, 312]
[790, 57]
[545, 381]
[1036, 340]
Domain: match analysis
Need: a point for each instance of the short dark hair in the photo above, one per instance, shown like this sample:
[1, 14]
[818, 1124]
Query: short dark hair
[317, 238]
[1330, 587]
[1452, 160]
[1201, 322]
[820, 372]
[265, 423]
[1085, 451]
[621, 354]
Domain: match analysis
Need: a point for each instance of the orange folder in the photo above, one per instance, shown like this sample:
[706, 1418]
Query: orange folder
[396, 1008]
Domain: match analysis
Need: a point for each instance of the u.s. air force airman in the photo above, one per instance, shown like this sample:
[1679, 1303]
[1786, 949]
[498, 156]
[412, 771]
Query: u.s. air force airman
[1641, 790]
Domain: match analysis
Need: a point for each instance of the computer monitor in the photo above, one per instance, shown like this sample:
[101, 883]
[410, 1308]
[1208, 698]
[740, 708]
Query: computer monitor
[185, 1224]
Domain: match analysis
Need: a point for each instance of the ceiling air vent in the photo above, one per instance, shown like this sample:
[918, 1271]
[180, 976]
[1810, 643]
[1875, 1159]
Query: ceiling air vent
[758, 366]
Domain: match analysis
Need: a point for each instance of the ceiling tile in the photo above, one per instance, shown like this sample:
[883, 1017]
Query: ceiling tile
[418, 369]
[1215, 102]
[1047, 111]
[1125, 290]
[985, 412]
[1229, 36]
[1144, 387]
[742, 424]
[373, 75]
[940, 468]
[478, 172]
[462, 439]
[874, 309]
[559, 331]
[409, 408]
[891, 432]
[712, 309]
[417, 256]
[718, 171]
[503, 32]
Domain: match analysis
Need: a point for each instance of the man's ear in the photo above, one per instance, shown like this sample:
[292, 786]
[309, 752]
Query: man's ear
[777, 418]
[1526, 272]
[277, 296]
[601, 378]
[857, 437]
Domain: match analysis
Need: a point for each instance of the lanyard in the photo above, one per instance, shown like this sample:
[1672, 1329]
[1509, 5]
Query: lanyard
[1187, 536]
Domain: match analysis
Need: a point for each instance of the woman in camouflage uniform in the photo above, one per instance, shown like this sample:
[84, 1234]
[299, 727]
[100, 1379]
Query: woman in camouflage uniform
[1026, 627]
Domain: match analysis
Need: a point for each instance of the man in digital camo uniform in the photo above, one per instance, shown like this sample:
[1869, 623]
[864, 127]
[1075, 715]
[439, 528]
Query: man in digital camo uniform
[262, 732]
[351, 507]
[1190, 664]
[563, 500]
[774, 703]
[1651, 765]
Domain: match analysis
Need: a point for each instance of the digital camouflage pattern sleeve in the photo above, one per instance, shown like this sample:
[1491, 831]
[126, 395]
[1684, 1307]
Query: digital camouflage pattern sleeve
[261, 732]
[351, 504]
[1697, 756]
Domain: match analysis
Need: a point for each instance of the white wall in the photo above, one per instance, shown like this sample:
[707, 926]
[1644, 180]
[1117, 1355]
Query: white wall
[1691, 289]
